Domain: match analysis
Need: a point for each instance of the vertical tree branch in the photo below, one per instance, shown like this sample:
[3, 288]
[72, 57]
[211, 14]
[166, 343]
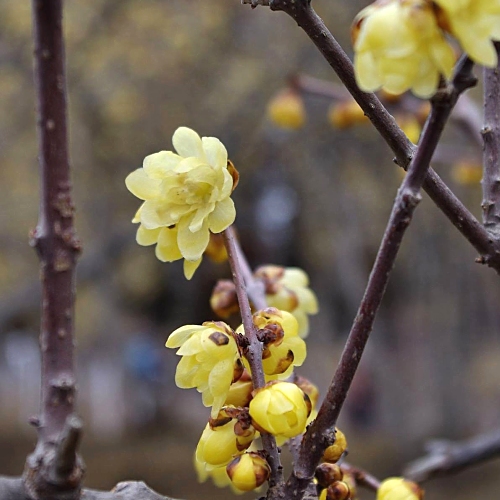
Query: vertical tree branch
[254, 353]
[321, 432]
[52, 465]
[491, 155]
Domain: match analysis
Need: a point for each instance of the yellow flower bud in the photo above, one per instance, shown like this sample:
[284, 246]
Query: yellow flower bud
[248, 471]
[219, 444]
[333, 453]
[345, 114]
[286, 109]
[240, 393]
[280, 408]
[288, 289]
[224, 301]
[216, 250]
[398, 488]
[309, 388]
[338, 491]
[327, 474]
[413, 56]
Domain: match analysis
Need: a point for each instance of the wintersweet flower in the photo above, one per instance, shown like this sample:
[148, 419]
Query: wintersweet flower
[475, 23]
[287, 288]
[210, 361]
[398, 488]
[398, 46]
[333, 453]
[283, 348]
[219, 444]
[186, 197]
[280, 408]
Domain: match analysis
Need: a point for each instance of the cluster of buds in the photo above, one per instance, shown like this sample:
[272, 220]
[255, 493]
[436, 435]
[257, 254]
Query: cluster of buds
[186, 197]
[331, 484]
[403, 44]
[213, 362]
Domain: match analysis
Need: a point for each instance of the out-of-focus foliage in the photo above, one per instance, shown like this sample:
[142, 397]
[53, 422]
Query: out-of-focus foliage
[316, 198]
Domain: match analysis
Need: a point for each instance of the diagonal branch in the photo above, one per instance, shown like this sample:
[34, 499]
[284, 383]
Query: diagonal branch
[491, 156]
[305, 16]
[446, 457]
[321, 433]
[254, 354]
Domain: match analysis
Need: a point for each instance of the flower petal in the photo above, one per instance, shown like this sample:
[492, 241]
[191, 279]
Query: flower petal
[167, 249]
[192, 245]
[141, 185]
[146, 237]
[215, 152]
[160, 164]
[188, 143]
[223, 216]
[190, 267]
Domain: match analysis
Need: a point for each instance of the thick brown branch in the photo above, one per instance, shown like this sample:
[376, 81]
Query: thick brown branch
[491, 156]
[446, 457]
[320, 434]
[443, 197]
[57, 246]
[254, 354]
[13, 489]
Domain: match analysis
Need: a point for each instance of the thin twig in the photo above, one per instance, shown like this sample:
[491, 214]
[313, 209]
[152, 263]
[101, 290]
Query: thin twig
[254, 353]
[321, 434]
[362, 477]
[55, 241]
[305, 16]
[491, 156]
[446, 457]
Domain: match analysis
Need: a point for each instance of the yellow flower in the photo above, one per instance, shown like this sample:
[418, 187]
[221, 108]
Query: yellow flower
[475, 23]
[186, 197]
[280, 408]
[210, 361]
[284, 349]
[287, 289]
[219, 444]
[398, 46]
[397, 488]
[248, 471]
[287, 110]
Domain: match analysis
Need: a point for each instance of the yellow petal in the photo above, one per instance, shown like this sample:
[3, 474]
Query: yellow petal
[146, 237]
[167, 249]
[192, 245]
[190, 267]
[188, 143]
[215, 152]
[161, 164]
[141, 185]
[223, 216]
[180, 335]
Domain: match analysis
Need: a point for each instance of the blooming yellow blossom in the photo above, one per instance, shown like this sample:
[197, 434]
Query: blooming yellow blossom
[288, 289]
[279, 356]
[475, 23]
[210, 360]
[248, 471]
[186, 197]
[280, 408]
[398, 46]
[219, 444]
[398, 488]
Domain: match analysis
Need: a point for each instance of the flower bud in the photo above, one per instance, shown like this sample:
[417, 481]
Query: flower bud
[338, 491]
[345, 114]
[309, 388]
[248, 471]
[287, 110]
[327, 474]
[398, 488]
[216, 250]
[280, 408]
[333, 453]
[240, 393]
[224, 301]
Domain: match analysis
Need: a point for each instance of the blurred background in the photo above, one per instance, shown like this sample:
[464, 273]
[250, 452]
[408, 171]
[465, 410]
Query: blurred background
[315, 195]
